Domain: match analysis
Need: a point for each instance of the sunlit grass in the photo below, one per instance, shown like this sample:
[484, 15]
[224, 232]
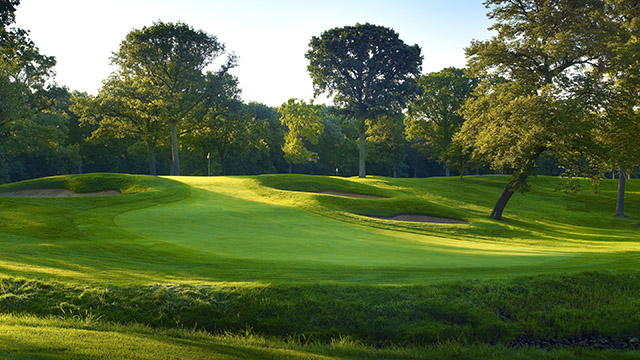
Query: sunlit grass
[251, 229]
[271, 253]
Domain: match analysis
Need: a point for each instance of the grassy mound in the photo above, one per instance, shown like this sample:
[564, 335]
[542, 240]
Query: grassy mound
[85, 183]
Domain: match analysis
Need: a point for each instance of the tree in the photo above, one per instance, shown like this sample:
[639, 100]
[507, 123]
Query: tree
[39, 145]
[367, 69]
[23, 70]
[434, 116]
[304, 123]
[619, 81]
[273, 136]
[619, 136]
[223, 126]
[23, 73]
[171, 58]
[535, 96]
[124, 108]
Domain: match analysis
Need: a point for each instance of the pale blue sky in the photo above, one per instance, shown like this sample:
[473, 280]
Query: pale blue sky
[270, 37]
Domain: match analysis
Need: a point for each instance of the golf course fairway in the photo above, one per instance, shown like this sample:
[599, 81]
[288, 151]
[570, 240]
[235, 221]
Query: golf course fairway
[277, 264]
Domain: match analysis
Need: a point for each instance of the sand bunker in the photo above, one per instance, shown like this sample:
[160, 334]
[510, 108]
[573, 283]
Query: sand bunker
[348, 194]
[49, 193]
[421, 218]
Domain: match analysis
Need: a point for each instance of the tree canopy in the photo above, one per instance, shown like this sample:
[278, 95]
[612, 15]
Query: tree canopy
[171, 59]
[367, 69]
[433, 118]
[618, 85]
[535, 93]
[303, 123]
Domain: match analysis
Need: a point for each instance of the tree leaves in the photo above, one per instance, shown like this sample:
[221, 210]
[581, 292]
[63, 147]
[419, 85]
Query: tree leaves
[304, 124]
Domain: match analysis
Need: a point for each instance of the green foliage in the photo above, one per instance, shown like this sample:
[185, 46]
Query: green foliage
[123, 108]
[535, 95]
[30, 143]
[225, 124]
[304, 123]
[618, 80]
[366, 67]
[39, 143]
[166, 62]
[386, 143]
[368, 70]
[434, 116]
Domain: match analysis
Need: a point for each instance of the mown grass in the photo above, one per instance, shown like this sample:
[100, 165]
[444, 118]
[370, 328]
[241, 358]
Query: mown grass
[271, 254]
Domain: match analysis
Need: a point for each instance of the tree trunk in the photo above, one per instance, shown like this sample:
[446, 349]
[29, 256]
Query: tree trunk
[222, 153]
[362, 142]
[461, 176]
[496, 213]
[622, 181]
[447, 171]
[151, 158]
[517, 181]
[290, 168]
[175, 156]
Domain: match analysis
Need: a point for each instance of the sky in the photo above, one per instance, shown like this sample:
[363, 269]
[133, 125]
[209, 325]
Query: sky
[270, 37]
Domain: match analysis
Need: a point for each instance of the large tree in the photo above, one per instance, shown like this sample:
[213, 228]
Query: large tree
[367, 69]
[434, 116]
[535, 95]
[171, 59]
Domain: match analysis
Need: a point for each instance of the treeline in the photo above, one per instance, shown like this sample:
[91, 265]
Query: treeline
[52, 138]
[162, 113]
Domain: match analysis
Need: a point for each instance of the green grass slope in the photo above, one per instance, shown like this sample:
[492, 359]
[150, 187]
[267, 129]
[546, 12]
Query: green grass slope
[26, 337]
[272, 254]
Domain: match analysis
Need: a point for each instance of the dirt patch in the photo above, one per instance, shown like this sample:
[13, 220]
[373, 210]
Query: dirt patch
[351, 195]
[49, 193]
[421, 218]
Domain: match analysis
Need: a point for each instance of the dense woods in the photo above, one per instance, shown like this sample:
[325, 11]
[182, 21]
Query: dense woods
[555, 91]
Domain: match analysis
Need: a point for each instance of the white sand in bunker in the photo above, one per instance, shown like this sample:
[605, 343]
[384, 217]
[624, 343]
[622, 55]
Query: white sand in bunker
[421, 218]
[348, 194]
[49, 193]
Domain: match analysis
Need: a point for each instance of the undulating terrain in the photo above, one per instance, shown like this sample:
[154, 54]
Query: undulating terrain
[295, 266]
